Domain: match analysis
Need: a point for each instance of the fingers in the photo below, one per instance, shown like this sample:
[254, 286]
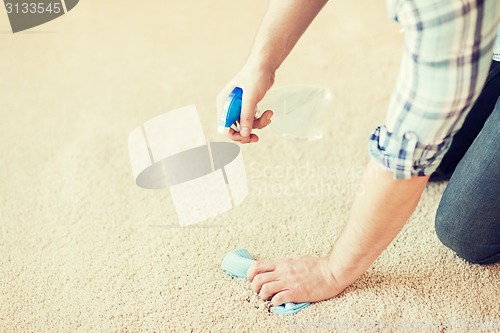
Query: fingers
[261, 279]
[270, 289]
[260, 267]
[236, 136]
[248, 122]
[281, 298]
[259, 123]
[263, 120]
[248, 104]
[267, 285]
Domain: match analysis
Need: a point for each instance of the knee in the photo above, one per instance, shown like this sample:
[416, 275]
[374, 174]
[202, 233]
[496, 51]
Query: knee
[452, 233]
[447, 233]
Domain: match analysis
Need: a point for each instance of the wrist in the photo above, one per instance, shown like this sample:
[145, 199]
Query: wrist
[342, 275]
[263, 60]
[255, 66]
[258, 75]
[345, 266]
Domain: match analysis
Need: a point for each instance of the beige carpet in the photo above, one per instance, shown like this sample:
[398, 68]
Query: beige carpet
[83, 249]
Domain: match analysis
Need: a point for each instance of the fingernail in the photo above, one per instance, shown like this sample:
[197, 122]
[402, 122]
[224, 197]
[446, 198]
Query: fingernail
[269, 116]
[245, 131]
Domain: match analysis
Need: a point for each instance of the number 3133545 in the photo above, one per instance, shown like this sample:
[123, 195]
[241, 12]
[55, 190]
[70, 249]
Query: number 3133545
[33, 8]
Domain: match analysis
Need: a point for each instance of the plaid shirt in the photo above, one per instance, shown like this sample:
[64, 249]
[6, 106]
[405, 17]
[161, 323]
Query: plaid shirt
[496, 49]
[447, 54]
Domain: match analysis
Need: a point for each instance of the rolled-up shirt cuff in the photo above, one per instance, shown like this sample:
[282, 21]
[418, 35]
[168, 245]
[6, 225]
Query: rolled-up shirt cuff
[404, 155]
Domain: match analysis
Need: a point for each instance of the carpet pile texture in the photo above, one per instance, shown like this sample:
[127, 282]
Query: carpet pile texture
[84, 249]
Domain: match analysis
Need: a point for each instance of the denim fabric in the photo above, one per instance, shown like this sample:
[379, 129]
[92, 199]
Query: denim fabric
[468, 217]
[473, 124]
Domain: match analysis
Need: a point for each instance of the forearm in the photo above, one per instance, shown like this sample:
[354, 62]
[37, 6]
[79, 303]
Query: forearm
[381, 208]
[282, 26]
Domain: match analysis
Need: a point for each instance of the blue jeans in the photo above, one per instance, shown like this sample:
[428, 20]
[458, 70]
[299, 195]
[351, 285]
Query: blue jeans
[473, 124]
[468, 217]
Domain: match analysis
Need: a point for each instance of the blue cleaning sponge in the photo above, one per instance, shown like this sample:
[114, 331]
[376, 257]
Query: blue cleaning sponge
[237, 262]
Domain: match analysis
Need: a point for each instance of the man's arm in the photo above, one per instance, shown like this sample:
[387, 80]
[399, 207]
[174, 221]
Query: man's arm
[443, 70]
[381, 208]
[282, 26]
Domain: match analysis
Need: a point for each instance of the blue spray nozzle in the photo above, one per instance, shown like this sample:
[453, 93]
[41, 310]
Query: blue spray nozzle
[231, 110]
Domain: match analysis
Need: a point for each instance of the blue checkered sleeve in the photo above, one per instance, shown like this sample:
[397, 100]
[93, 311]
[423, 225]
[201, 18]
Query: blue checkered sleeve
[447, 53]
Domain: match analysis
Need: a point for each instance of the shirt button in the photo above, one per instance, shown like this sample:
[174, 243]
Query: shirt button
[410, 136]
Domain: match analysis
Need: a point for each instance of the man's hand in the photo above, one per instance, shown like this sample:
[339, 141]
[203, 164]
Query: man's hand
[281, 28]
[379, 212]
[255, 83]
[302, 279]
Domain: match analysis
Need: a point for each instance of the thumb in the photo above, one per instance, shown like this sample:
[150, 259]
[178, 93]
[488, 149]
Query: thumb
[248, 104]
